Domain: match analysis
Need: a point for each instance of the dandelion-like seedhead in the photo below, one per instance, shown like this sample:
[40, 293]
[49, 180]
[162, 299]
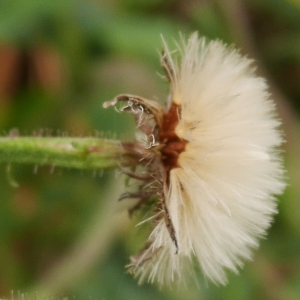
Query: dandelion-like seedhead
[212, 162]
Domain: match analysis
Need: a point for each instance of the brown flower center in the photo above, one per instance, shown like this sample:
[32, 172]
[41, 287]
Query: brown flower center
[173, 145]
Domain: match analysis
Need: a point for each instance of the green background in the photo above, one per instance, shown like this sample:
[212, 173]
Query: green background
[62, 232]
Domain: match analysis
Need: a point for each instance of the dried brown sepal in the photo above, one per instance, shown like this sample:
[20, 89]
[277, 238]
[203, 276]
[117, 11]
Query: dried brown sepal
[143, 110]
[167, 65]
[139, 259]
[149, 153]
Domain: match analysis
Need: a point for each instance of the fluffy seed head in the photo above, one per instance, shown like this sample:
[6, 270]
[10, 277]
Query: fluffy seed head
[217, 146]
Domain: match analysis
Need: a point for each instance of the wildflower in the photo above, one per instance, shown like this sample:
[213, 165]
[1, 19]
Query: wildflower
[211, 160]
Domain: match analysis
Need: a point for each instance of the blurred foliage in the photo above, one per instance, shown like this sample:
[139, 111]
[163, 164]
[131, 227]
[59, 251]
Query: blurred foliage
[59, 61]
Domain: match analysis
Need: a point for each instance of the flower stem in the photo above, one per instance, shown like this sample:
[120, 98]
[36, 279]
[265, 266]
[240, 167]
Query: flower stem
[70, 152]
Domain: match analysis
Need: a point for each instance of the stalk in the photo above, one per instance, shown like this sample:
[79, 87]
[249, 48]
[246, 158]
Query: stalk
[70, 152]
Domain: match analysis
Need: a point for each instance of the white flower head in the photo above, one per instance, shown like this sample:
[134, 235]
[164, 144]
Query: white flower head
[212, 160]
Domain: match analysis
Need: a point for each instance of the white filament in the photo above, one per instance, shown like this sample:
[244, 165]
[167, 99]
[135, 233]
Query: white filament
[221, 198]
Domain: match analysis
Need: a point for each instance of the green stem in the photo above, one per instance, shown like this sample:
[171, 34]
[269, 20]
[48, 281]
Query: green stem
[79, 153]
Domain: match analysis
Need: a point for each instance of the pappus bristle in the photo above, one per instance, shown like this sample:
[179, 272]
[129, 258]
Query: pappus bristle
[216, 161]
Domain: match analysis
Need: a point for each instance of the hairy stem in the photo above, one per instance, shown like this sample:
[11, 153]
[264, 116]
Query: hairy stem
[70, 152]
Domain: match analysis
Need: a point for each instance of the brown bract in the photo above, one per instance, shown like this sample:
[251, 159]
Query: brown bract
[157, 151]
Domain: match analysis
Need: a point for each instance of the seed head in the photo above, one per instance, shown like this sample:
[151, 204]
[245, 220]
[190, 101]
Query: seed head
[212, 162]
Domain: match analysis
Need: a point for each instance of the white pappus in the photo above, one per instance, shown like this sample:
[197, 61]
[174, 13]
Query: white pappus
[212, 161]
